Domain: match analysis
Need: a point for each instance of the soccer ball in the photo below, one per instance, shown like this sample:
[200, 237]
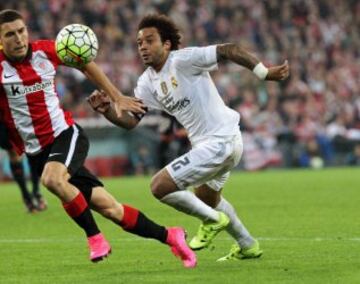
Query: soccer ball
[76, 45]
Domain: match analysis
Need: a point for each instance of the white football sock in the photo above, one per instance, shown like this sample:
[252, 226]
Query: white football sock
[235, 228]
[187, 202]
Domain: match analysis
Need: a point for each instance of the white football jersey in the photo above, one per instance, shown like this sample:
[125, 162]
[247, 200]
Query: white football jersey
[184, 89]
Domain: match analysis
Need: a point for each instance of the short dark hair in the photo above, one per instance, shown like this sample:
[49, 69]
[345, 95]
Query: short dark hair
[9, 15]
[165, 26]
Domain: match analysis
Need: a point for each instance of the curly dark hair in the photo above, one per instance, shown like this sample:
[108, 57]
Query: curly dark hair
[165, 26]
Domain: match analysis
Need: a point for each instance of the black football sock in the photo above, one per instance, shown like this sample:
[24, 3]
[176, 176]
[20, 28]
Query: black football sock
[137, 223]
[17, 171]
[35, 184]
[79, 211]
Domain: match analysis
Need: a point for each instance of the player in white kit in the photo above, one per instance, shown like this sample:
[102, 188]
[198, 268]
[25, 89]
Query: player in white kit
[178, 82]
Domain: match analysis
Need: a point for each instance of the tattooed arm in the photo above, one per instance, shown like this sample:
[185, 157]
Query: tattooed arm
[239, 55]
[236, 54]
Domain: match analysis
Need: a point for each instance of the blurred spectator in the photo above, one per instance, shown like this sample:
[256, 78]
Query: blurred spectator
[354, 157]
[142, 161]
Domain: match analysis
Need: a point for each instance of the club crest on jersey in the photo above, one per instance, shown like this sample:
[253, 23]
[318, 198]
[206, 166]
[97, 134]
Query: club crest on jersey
[174, 83]
[42, 65]
[164, 88]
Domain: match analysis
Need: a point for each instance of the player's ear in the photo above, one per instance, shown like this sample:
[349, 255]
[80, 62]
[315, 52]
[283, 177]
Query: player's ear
[167, 44]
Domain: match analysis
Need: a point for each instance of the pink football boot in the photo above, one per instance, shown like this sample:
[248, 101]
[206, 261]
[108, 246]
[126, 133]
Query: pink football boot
[99, 247]
[176, 241]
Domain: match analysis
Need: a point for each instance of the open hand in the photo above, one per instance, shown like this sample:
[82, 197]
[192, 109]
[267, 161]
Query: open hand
[124, 103]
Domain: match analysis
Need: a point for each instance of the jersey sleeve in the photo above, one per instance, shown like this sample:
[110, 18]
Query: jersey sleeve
[199, 59]
[48, 46]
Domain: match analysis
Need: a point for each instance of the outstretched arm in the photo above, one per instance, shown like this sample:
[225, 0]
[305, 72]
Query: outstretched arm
[121, 102]
[100, 102]
[241, 56]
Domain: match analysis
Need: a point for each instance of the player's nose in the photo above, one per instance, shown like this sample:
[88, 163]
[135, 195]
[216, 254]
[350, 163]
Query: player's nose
[17, 37]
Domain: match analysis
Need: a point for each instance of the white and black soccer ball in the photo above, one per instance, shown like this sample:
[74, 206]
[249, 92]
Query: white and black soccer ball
[76, 45]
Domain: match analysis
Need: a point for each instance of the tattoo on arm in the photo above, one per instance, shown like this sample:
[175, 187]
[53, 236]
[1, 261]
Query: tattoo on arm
[236, 54]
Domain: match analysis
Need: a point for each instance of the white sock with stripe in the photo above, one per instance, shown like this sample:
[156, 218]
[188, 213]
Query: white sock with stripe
[187, 202]
[235, 228]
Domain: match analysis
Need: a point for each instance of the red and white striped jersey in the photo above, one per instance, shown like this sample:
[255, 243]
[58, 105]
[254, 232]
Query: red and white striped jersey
[29, 104]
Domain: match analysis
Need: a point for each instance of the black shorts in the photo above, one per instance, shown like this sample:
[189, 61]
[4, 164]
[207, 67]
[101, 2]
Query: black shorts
[69, 148]
[4, 138]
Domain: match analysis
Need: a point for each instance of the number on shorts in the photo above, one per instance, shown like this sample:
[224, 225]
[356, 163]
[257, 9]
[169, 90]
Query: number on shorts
[178, 164]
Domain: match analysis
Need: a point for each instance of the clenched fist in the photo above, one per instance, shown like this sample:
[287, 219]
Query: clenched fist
[99, 101]
[278, 73]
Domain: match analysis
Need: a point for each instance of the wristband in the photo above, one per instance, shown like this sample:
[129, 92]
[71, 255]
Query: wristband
[261, 71]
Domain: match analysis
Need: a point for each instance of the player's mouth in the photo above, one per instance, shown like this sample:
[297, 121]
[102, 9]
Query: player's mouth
[20, 48]
[145, 57]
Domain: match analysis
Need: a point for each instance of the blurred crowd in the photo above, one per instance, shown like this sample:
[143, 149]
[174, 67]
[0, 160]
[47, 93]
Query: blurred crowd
[312, 119]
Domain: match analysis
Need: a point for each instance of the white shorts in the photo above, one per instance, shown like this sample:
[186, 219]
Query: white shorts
[209, 162]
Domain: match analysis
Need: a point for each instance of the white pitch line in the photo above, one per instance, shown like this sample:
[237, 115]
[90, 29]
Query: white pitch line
[316, 239]
[137, 239]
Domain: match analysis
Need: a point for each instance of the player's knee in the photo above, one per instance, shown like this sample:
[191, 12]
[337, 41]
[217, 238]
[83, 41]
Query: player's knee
[162, 184]
[208, 196]
[204, 195]
[52, 181]
[156, 187]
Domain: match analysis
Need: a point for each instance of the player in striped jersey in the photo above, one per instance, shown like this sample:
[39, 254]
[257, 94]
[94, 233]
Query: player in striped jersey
[33, 201]
[56, 147]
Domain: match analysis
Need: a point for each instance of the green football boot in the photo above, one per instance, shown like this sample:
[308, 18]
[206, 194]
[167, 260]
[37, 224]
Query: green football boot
[236, 252]
[207, 232]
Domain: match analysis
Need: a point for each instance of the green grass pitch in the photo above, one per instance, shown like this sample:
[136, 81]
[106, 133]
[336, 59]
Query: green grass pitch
[307, 222]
